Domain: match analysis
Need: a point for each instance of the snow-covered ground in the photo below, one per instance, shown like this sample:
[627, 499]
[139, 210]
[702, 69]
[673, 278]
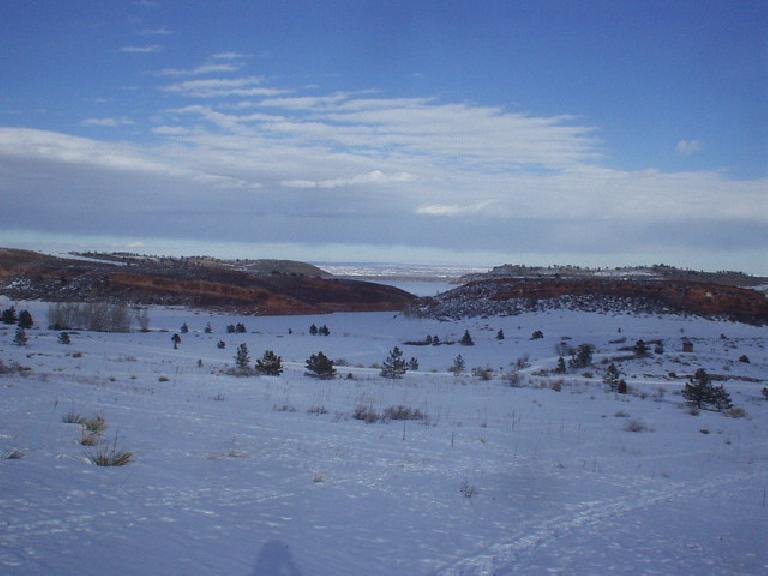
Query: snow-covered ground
[242, 475]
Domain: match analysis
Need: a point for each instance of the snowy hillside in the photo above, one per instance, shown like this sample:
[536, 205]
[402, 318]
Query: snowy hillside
[526, 472]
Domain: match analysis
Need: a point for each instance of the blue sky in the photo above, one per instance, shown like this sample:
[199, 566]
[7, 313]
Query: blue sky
[459, 132]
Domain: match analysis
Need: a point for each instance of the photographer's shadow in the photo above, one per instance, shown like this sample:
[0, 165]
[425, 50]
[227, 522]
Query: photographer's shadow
[275, 560]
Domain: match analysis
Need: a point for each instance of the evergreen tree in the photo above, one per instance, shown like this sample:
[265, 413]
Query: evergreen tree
[394, 365]
[428, 339]
[436, 341]
[269, 364]
[500, 334]
[240, 328]
[313, 330]
[323, 330]
[9, 316]
[700, 391]
[466, 340]
[241, 356]
[321, 366]
[611, 377]
[221, 345]
[20, 339]
[64, 338]
[230, 328]
[208, 328]
[25, 319]
[458, 364]
[184, 328]
[641, 348]
[583, 356]
[413, 364]
[560, 365]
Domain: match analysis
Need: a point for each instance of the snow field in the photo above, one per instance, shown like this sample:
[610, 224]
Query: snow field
[233, 475]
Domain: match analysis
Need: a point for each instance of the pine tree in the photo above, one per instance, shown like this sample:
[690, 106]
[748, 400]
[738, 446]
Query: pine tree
[241, 356]
[413, 364]
[394, 365]
[313, 330]
[500, 334]
[9, 316]
[25, 319]
[221, 345]
[583, 356]
[458, 364]
[611, 377]
[321, 366]
[641, 348]
[436, 341]
[240, 328]
[700, 391]
[64, 338]
[230, 328]
[20, 339]
[208, 328]
[560, 365]
[269, 364]
[184, 328]
[466, 340]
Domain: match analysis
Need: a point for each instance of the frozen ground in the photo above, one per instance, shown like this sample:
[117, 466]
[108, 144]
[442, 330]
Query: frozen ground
[232, 475]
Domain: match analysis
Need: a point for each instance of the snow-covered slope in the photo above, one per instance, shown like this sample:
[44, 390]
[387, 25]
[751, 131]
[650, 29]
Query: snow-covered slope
[274, 475]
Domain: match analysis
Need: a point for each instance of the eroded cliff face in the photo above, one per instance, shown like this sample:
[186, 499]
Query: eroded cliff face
[28, 275]
[659, 295]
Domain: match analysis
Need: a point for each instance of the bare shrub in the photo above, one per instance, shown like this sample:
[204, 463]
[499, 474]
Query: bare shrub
[514, 379]
[366, 413]
[636, 425]
[142, 318]
[736, 412]
[483, 373]
[87, 439]
[95, 316]
[621, 414]
[106, 456]
[95, 425]
[467, 490]
[283, 408]
[401, 412]
[72, 417]
[317, 410]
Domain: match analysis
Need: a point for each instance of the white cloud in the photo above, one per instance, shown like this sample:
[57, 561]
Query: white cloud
[107, 122]
[199, 70]
[221, 88]
[170, 130]
[141, 49]
[372, 177]
[688, 147]
[229, 56]
[451, 209]
[160, 31]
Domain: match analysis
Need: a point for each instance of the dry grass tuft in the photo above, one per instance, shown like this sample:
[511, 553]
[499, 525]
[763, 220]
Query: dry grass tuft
[72, 417]
[95, 425]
